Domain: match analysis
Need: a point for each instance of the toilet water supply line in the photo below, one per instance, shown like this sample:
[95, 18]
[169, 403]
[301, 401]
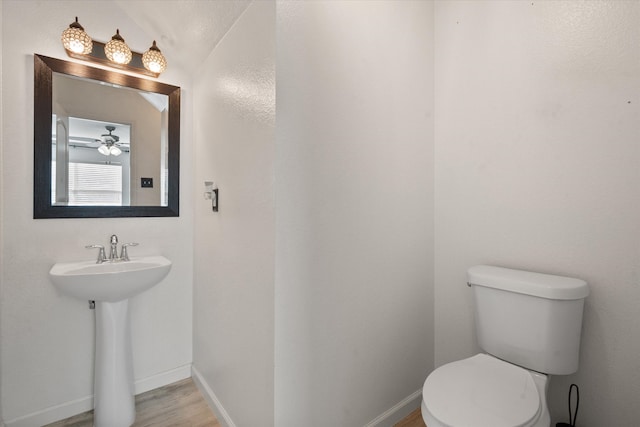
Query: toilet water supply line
[572, 416]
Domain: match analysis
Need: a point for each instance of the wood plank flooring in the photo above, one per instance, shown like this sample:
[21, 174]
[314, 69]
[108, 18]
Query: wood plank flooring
[414, 419]
[177, 404]
[181, 404]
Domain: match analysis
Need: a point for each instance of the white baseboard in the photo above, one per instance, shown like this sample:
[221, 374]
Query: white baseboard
[84, 404]
[398, 411]
[53, 413]
[386, 419]
[221, 414]
[163, 378]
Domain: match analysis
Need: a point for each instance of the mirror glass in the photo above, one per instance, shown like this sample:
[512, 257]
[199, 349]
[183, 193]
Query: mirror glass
[106, 143]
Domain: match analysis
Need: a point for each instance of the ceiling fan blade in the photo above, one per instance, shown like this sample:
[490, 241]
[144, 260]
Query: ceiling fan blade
[84, 141]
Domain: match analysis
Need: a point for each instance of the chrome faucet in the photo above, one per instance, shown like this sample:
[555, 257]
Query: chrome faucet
[113, 253]
[124, 255]
[101, 256]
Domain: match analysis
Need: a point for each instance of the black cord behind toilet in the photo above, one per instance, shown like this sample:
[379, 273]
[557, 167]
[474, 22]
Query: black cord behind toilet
[572, 417]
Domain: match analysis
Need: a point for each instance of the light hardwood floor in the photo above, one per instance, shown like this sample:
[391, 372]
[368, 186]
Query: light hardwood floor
[181, 404]
[177, 404]
[414, 419]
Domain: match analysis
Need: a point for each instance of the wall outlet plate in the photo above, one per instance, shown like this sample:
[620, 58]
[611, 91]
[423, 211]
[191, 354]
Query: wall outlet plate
[146, 182]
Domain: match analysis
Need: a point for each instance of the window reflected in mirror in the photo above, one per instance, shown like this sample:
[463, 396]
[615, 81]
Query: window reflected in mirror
[94, 167]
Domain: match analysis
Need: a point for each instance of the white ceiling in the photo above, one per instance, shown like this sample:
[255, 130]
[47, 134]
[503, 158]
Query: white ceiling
[187, 30]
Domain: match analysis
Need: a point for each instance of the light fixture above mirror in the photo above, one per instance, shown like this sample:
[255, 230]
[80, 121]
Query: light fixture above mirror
[154, 60]
[116, 53]
[76, 40]
[117, 50]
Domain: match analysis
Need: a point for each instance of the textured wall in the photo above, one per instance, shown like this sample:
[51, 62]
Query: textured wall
[234, 120]
[1, 200]
[354, 167]
[538, 167]
[47, 338]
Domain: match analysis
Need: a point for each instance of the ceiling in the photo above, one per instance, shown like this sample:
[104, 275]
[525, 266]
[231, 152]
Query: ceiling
[188, 30]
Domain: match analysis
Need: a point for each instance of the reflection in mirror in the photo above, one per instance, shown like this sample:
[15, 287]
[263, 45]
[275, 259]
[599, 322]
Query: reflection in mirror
[100, 119]
[91, 163]
[112, 143]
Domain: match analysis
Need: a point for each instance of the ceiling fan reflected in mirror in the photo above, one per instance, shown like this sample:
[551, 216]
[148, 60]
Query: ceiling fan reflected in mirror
[110, 146]
[85, 133]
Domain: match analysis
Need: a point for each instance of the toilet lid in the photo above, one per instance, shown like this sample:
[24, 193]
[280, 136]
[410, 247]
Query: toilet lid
[481, 391]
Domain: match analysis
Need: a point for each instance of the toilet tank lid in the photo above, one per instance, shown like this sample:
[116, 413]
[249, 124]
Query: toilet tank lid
[526, 282]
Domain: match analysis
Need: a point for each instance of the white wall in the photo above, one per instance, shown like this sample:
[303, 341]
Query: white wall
[47, 338]
[1, 203]
[538, 167]
[234, 120]
[354, 168]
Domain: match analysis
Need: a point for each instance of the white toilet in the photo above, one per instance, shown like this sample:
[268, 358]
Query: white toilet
[529, 324]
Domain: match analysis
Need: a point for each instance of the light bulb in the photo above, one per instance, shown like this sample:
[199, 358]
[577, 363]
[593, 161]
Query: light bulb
[153, 60]
[76, 40]
[117, 50]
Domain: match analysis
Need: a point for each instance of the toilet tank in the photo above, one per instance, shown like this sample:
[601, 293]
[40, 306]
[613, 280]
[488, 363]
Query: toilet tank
[530, 319]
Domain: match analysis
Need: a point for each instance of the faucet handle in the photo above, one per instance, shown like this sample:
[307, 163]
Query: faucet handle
[124, 255]
[102, 257]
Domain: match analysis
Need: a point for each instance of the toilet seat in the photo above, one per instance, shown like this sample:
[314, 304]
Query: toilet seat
[481, 391]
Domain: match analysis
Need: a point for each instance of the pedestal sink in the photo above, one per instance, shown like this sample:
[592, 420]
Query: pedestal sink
[110, 285]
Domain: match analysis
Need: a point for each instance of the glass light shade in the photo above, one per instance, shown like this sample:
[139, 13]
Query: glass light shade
[76, 40]
[117, 50]
[153, 60]
[109, 150]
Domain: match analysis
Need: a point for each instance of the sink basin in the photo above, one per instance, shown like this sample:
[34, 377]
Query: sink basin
[109, 281]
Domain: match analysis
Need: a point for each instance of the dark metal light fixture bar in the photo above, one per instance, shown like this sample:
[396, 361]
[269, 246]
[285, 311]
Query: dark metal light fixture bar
[97, 55]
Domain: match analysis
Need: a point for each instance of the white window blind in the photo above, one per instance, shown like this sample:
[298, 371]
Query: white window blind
[93, 184]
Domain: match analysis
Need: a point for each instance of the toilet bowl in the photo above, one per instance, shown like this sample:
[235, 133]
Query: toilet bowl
[483, 391]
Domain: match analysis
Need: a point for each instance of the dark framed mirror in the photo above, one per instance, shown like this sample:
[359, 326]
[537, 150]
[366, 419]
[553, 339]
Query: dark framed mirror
[106, 144]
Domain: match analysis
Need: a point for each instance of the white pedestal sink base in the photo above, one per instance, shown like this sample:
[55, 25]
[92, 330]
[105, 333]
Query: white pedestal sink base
[114, 394]
[111, 284]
